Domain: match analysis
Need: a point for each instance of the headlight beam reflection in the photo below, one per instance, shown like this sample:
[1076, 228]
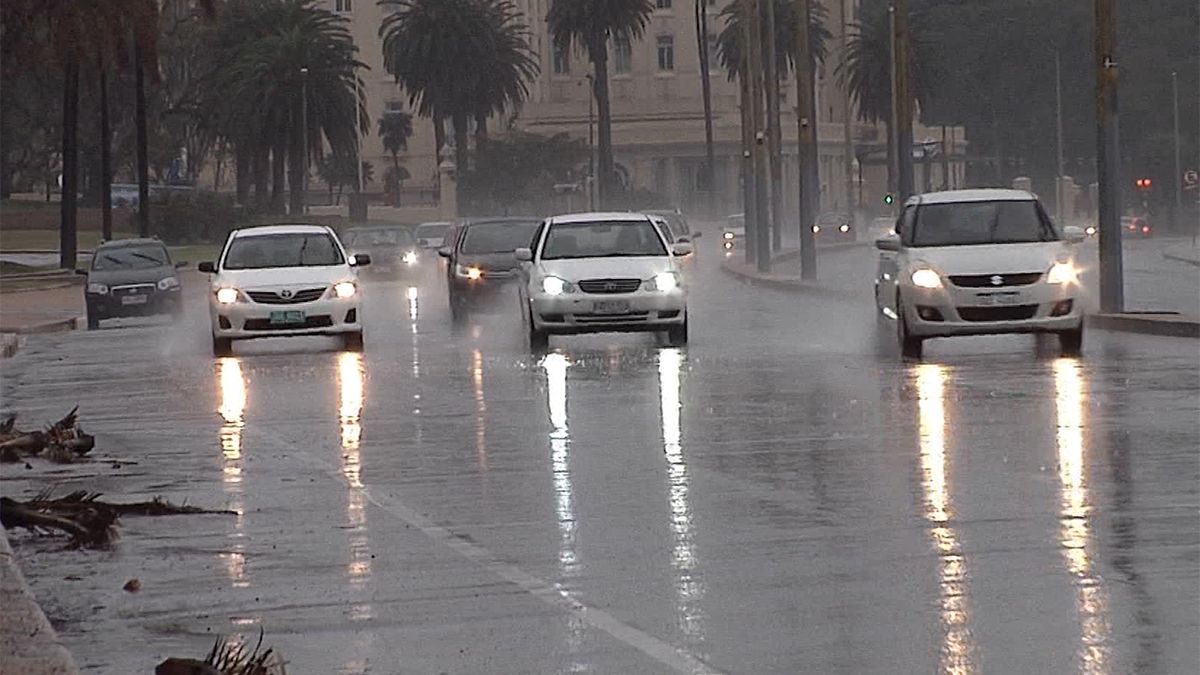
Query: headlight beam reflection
[232, 410]
[351, 396]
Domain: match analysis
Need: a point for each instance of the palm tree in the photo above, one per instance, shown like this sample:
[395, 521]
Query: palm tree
[395, 128]
[458, 59]
[591, 24]
[729, 40]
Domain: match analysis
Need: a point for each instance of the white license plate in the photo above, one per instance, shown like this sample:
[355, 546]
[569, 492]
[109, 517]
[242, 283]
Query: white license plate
[134, 299]
[611, 307]
[987, 299]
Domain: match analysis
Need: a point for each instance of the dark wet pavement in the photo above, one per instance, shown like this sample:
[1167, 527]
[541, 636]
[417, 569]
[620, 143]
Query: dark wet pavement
[779, 497]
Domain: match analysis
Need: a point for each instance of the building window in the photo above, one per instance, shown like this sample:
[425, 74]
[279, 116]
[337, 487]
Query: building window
[344, 6]
[666, 52]
[622, 55]
[662, 4]
[562, 60]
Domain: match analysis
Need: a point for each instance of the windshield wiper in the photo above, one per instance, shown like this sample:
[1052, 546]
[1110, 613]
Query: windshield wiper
[151, 258]
[116, 260]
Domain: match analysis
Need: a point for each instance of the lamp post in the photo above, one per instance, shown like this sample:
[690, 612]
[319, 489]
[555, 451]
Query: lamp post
[304, 132]
[591, 143]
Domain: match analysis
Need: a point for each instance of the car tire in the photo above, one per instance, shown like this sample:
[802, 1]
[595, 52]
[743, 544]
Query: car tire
[458, 310]
[222, 346]
[1071, 341]
[677, 336]
[352, 342]
[539, 340]
[910, 346]
[93, 320]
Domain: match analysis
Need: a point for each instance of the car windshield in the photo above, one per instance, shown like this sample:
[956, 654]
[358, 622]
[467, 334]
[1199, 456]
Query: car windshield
[130, 258]
[282, 250]
[431, 230]
[497, 237]
[972, 223]
[602, 239]
[363, 238]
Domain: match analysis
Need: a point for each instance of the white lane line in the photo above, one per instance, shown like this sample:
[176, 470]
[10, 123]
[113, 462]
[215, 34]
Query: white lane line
[552, 594]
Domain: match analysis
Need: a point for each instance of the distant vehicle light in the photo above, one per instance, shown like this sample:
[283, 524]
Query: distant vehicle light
[844, 228]
[410, 258]
[1090, 231]
[816, 229]
[728, 244]
[728, 235]
[1145, 229]
[474, 273]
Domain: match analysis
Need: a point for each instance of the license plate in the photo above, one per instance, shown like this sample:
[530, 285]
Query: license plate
[134, 299]
[288, 317]
[611, 307]
[987, 299]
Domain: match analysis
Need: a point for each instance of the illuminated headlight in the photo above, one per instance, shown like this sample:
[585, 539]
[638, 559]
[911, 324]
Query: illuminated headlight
[555, 286]
[410, 258]
[345, 289]
[728, 235]
[844, 229]
[168, 283]
[926, 278]
[816, 229]
[97, 289]
[1090, 231]
[227, 296]
[472, 273]
[664, 282]
[1062, 273]
[729, 244]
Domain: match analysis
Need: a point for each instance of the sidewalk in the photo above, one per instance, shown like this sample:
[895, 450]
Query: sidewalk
[41, 311]
[1186, 253]
[28, 643]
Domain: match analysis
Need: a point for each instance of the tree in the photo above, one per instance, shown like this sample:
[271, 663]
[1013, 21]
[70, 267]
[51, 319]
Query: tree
[729, 40]
[590, 24]
[458, 59]
[518, 171]
[395, 128]
[338, 170]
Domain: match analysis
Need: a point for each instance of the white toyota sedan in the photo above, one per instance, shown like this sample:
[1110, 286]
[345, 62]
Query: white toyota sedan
[603, 272]
[978, 262]
[285, 280]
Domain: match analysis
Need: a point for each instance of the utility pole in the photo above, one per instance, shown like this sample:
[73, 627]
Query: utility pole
[358, 135]
[745, 79]
[591, 146]
[806, 123]
[1108, 157]
[774, 134]
[894, 112]
[848, 124]
[706, 90]
[1178, 159]
[758, 149]
[304, 132]
[143, 159]
[902, 100]
[1059, 192]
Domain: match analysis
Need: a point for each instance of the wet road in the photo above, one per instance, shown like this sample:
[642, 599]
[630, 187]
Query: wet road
[779, 497]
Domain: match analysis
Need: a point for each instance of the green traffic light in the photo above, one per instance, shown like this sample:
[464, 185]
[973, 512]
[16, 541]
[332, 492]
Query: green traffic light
[889, 199]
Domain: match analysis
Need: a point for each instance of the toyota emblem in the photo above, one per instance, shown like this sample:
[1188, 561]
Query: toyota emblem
[997, 280]
[610, 287]
[286, 293]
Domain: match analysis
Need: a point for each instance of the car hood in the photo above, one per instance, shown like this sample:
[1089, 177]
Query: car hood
[489, 261]
[607, 268]
[301, 277]
[118, 277]
[381, 250]
[991, 258]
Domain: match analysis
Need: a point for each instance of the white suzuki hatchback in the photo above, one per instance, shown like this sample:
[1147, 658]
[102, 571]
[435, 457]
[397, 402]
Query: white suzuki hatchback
[978, 262]
[284, 280]
[603, 272]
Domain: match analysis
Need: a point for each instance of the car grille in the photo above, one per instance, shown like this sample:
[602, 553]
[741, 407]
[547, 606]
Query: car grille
[631, 317]
[274, 297]
[989, 280]
[609, 285]
[1011, 313]
[309, 322]
[133, 289]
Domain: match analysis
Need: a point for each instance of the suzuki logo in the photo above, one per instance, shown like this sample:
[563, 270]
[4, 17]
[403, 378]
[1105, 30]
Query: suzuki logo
[997, 280]
[286, 293]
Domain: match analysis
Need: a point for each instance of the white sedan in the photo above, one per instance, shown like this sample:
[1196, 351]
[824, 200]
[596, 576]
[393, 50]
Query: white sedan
[284, 280]
[603, 272]
[979, 262]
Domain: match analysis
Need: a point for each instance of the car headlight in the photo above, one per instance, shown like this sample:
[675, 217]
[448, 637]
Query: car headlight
[345, 289]
[664, 282]
[227, 296]
[926, 278]
[167, 283]
[1062, 273]
[816, 229]
[410, 258]
[555, 286]
[844, 228]
[728, 235]
[97, 289]
[473, 273]
[1090, 231]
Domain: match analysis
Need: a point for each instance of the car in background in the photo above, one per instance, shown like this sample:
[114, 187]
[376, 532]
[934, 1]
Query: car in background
[677, 226]
[881, 226]
[282, 281]
[603, 272]
[831, 226]
[432, 236]
[664, 226]
[1136, 226]
[481, 259]
[131, 277]
[979, 262]
[392, 248]
[734, 233]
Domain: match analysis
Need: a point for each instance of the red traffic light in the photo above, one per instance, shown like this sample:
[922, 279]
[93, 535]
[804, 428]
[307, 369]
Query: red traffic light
[1144, 183]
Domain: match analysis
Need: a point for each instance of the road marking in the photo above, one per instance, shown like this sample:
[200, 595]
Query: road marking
[552, 594]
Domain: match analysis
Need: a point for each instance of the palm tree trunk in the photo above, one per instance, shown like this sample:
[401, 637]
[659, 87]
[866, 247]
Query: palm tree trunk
[605, 171]
[439, 136]
[105, 158]
[481, 131]
[70, 166]
[262, 176]
[278, 174]
[395, 179]
[296, 171]
[5, 145]
[143, 158]
[706, 92]
[243, 159]
[461, 142]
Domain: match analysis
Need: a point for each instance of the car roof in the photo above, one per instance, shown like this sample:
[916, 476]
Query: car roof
[598, 216]
[134, 241]
[264, 230]
[443, 223]
[377, 228]
[983, 195]
[501, 219]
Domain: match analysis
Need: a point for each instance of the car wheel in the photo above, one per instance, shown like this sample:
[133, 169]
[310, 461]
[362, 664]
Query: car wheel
[910, 346]
[677, 336]
[352, 342]
[539, 340]
[458, 310]
[93, 320]
[1071, 341]
[222, 346]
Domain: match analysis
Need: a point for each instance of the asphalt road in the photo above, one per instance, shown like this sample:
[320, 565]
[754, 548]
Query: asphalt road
[779, 497]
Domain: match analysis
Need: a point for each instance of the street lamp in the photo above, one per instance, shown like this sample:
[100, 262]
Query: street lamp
[304, 133]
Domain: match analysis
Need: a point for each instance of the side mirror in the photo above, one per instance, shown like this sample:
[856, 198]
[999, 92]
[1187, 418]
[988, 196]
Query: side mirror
[445, 251]
[1073, 234]
[888, 242]
[208, 267]
[682, 248]
[81, 272]
[423, 243]
[683, 239]
[524, 254]
[180, 264]
[360, 260]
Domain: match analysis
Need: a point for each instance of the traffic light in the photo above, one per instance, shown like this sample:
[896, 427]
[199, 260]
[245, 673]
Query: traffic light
[889, 199]
[1144, 183]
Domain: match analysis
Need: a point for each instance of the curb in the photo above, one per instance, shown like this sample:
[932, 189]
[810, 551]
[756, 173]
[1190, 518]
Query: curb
[9, 344]
[1180, 258]
[1170, 325]
[751, 276]
[28, 643]
[47, 287]
[52, 326]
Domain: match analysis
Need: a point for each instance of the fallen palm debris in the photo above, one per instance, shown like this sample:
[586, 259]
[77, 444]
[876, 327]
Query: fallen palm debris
[227, 658]
[63, 442]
